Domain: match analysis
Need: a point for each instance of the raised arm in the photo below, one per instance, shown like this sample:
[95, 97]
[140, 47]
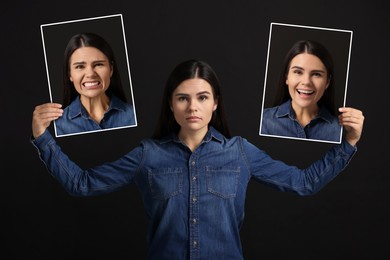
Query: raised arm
[105, 178]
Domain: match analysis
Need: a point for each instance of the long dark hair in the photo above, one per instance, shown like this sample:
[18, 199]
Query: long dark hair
[188, 70]
[90, 40]
[317, 49]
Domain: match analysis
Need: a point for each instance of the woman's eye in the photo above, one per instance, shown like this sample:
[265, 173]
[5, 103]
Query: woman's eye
[297, 72]
[182, 98]
[202, 98]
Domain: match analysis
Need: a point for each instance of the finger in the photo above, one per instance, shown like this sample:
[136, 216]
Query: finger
[48, 114]
[347, 109]
[48, 110]
[47, 105]
[350, 115]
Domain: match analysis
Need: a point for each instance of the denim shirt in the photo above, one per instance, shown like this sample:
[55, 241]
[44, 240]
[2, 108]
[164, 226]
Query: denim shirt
[194, 200]
[281, 121]
[76, 119]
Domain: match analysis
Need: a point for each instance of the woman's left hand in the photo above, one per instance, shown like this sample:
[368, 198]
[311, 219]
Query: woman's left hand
[352, 120]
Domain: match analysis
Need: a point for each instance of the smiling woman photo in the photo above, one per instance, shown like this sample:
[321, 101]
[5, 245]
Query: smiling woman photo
[304, 103]
[93, 95]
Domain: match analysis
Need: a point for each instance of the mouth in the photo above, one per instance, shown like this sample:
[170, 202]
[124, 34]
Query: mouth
[91, 84]
[193, 118]
[306, 92]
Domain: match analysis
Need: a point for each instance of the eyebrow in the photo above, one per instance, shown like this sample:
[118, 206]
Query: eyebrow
[84, 62]
[297, 67]
[78, 62]
[198, 94]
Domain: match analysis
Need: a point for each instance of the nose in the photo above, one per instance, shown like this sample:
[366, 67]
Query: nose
[305, 80]
[193, 105]
[90, 71]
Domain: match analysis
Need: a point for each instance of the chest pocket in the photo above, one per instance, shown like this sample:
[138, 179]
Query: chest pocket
[222, 181]
[165, 183]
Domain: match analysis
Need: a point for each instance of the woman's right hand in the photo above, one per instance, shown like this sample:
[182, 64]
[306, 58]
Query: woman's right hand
[42, 117]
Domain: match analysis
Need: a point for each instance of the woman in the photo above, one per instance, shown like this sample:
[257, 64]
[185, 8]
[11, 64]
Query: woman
[304, 104]
[192, 175]
[93, 95]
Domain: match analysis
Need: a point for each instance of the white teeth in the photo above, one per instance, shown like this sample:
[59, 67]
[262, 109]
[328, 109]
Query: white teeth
[305, 91]
[90, 84]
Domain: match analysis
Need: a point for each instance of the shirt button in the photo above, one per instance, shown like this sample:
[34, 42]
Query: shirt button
[194, 178]
[194, 243]
[194, 199]
[194, 221]
[193, 163]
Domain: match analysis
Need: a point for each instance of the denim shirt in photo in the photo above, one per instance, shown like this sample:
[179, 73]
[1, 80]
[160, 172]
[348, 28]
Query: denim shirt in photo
[281, 121]
[76, 119]
[194, 200]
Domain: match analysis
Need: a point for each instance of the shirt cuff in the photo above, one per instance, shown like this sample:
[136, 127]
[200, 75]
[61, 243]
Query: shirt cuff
[42, 140]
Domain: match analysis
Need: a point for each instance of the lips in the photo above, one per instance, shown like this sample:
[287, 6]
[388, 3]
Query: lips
[91, 84]
[193, 118]
[305, 91]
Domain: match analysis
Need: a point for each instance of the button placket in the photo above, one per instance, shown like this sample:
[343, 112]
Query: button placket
[194, 207]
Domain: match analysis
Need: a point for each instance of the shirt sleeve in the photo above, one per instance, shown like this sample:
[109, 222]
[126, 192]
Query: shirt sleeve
[106, 178]
[285, 177]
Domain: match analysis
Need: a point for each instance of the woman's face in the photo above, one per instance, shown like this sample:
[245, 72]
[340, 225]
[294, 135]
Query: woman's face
[90, 72]
[192, 105]
[307, 80]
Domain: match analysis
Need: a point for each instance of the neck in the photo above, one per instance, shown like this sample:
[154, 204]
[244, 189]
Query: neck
[192, 138]
[305, 115]
[96, 107]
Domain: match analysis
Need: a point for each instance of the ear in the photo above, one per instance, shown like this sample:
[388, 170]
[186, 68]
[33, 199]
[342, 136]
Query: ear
[112, 70]
[327, 84]
[70, 78]
[215, 106]
[328, 81]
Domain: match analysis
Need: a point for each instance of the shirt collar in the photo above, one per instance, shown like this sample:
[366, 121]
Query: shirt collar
[212, 133]
[77, 109]
[325, 114]
[285, 109]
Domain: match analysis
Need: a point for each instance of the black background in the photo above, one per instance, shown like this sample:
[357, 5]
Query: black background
[348, 219]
